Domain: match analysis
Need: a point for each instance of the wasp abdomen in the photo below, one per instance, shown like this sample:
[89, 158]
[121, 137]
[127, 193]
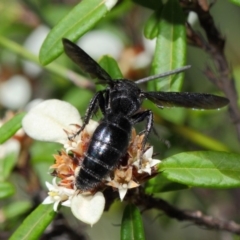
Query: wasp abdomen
[109, 142]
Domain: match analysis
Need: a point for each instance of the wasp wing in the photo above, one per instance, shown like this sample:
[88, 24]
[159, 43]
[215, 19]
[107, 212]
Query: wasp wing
[86, 63]
[186, 99]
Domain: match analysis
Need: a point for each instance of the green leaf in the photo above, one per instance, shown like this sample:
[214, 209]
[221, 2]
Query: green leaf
[132, 226]
[170, 51]
[77, 22]
[15, 209]
[6, 189]
[237, 2]
[161, 184]
[203, 169]
[111, 67]
[72, 96]
[7, 164]
[35, 224]
[151, 28]
[10, 127]
[43, 152]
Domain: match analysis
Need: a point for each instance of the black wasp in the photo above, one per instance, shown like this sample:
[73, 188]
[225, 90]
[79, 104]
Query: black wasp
[120, 103]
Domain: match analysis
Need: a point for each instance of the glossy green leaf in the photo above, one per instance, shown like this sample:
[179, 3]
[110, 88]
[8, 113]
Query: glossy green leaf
[237, 2]
[111, 67]
[203, 169]
[132, 226]
[151, 28]
[170, 50]
[35, 224]
[11, 127]
[81, 19]
[161, 184]
[6, 189]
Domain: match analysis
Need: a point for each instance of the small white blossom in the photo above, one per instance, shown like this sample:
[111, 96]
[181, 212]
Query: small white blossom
[58, 194]
[87, 208]
[147, 162]
[73, 142]
[122, 190]
[122, 181]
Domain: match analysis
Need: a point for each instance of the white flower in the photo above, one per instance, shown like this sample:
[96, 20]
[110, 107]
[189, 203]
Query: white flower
[48, 120]
[91, 127]
[74, 142]
[147, 162]
[123, 188]
[88, 208]
[122, 181]
[56, 121]
[58, 194]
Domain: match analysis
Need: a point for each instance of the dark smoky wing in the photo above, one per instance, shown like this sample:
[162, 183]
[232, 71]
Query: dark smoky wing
[187, 100]
[86, 63]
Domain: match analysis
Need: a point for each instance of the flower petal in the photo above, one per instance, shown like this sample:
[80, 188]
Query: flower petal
[55, 206]
[146, 169]
[47, 120]
[49, 186]
[122, 192]
[148, 154]
[154, 162]
[66, 203]
[91, 127]
[89, 208]
[48, 200]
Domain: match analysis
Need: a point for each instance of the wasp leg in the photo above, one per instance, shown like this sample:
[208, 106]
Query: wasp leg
[103, 102]
[96, 102]
[139, 117]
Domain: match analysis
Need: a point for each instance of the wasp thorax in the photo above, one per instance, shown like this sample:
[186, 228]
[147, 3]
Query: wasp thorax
[125, 97]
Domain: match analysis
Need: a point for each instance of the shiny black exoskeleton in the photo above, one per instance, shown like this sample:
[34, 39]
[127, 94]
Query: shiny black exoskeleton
[120, 104]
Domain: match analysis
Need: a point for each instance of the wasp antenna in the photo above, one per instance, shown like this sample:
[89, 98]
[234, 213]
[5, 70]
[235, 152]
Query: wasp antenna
[161, 75]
